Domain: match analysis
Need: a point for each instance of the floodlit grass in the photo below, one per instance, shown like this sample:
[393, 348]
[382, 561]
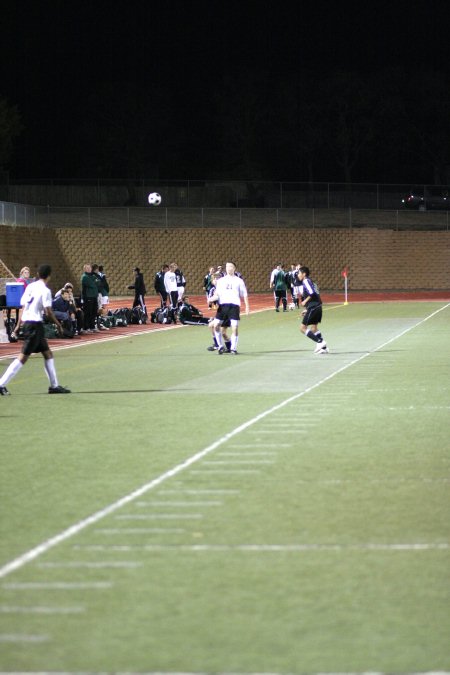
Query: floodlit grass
[311, 535]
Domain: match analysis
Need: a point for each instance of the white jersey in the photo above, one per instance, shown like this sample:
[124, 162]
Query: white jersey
[35, 299]
[230, 290]
[170, 282]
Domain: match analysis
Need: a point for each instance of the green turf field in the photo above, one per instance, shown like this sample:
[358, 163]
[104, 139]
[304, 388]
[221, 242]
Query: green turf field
[274, 512]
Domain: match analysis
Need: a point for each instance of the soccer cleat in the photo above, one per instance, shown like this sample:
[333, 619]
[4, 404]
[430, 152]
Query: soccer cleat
[221, 350]
[320, 346]
[233, 352]
[58, 390]
[4, 391]
[325, 350]
[212, 348]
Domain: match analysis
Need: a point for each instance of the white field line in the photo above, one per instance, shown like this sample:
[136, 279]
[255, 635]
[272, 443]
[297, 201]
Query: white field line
[179, 504]
[100, 564]
[7, 609]
[17, 637]
[235, 471]
[259, 445]
[232, 462]
[140, 530]
[376, 481]
[159, 516]
[57, 585]
[199, 491]
[74, 529]
[277, 430]
[247, 454]
[268, 548]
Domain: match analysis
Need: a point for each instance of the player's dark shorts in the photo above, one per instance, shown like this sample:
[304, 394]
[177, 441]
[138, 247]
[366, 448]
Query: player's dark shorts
[228, 312]
[313, 314]
[34, 338]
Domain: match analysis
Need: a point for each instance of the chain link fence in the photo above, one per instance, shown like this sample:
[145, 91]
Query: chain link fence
[19, 215]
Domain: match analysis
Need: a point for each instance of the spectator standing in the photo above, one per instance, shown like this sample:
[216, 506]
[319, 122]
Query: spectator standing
[158, 285]
[24, 278]
[170, 283]
[139, 289]
[208, 281]
[89, 296]
[36, 302]
[279, 286]
[103, 287]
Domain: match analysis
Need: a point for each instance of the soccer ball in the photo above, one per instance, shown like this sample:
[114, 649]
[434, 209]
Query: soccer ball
[154, 199]
[291, 306]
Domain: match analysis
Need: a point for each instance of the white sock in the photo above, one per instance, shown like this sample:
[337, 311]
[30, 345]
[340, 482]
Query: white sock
[49, 365]
[218, 336]
[9, 373]
[234, 341]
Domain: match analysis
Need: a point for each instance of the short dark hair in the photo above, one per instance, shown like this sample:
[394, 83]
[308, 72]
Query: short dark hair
[44, 271]
[304, 270]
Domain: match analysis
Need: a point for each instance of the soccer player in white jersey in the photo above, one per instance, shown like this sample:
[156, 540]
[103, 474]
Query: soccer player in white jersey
[229, 291]
[36, 301]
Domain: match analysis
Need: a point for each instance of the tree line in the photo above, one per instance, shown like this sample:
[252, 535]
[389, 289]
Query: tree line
[390, 126]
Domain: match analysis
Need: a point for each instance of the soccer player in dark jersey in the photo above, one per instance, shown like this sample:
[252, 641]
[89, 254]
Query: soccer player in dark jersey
[312, 313]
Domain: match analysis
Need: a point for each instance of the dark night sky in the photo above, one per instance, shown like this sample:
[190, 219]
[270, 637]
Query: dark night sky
[57, 56]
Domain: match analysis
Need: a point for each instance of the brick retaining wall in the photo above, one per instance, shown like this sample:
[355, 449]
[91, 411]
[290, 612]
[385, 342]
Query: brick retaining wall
[377, 259]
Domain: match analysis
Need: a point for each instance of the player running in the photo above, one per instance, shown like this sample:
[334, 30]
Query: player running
[312, 314]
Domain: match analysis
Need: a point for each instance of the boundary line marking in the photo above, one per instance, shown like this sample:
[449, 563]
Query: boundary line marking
[74, 529]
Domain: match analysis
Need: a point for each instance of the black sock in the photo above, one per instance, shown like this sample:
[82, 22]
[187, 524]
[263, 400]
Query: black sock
[309, 334]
